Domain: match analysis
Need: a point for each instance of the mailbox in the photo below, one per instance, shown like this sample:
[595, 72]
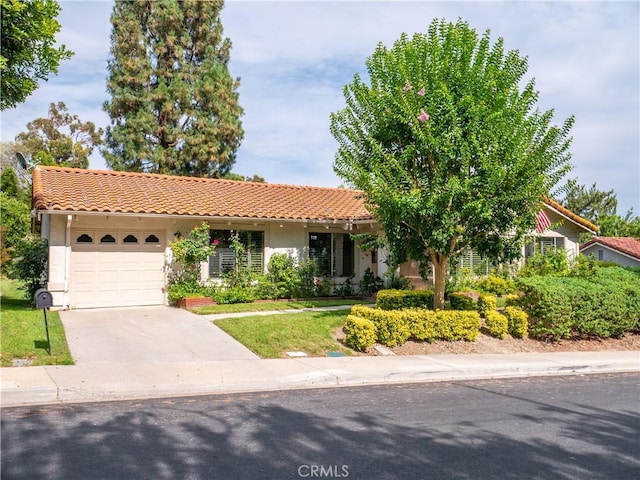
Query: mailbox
[43, 298]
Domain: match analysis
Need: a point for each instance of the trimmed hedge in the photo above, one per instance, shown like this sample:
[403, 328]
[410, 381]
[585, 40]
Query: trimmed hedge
[497, 324]
[461, 301]
[518, 321]
[495, 285]
[605, 305]
[396, 327]
[486, 303]
[360, 333]
[392, 299]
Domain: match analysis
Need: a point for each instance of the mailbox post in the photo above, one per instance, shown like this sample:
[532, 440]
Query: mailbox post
[44, 300]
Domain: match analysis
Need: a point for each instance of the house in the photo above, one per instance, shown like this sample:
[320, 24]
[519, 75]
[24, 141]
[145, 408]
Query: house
[109, 232]
[624, 251]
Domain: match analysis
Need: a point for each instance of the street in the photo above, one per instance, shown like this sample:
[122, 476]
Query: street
[563, 427]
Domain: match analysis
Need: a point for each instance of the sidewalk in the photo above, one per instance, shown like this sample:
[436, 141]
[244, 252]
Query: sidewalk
[120, 381]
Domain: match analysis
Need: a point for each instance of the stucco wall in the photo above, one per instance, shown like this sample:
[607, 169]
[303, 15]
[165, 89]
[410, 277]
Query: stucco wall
[609, 255]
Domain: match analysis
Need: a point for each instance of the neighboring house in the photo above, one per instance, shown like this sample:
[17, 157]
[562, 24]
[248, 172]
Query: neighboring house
[109, 232]
[624, 251]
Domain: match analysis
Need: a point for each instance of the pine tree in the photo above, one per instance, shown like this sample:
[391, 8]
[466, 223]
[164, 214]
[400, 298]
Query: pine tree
[174, 106]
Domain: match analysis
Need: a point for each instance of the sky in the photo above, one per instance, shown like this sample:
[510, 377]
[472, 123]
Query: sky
[293, 59]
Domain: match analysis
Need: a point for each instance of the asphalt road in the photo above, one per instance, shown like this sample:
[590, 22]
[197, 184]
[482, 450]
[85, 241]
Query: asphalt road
[573, 427]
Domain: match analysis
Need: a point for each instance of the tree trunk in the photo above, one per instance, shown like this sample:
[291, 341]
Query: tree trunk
[440, 264]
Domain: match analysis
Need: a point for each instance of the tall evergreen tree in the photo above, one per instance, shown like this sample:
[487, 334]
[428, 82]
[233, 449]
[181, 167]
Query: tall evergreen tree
[174, 106]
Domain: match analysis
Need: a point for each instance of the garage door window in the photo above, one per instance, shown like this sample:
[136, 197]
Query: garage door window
[84, 238]
[152, 239]
[108, 239]
[130, 239]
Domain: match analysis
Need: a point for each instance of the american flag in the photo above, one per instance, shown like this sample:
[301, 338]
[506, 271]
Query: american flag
[542, 221]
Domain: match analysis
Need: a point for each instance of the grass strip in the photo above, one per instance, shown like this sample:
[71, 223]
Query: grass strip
[23, 331]
[271, 336]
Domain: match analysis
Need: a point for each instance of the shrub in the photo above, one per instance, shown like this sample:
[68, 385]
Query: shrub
[307, 271]
[517, 320]
[606, 305]
[421, 324]
[399, 299]
[29, 264]
[185, 289]
[360, 333]
[512, 300]
[486, 303]
[370, 283]
[282, 274]
[226, 295]
[461, 301]
[495, 285]
[497, 324]
[551, 262]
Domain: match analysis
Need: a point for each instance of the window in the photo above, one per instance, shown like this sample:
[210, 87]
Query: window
[152, 239]
[600, 255]
[130, 239]
[108, 239]
[472, 261]
[84, 238]
[334, 253]
[542, 245]
[224, 260]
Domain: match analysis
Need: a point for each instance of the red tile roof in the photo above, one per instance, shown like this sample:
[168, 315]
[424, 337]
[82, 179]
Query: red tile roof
[628, 245]
[78, 190]
[569, 214]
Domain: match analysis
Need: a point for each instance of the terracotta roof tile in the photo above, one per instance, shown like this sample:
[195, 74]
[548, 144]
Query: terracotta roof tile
[569, 214]
[628, 245]
[78, 190]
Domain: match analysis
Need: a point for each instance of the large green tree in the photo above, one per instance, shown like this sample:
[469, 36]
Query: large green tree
[448, 147]
[60, 139]
[174, 106]
[27, 49]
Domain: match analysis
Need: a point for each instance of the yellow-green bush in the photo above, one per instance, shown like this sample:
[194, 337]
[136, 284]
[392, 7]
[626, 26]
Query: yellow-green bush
[486, 303]
[496, 323]
[360, 333]
[518, 321]
[511, 300]
[398, 299]
[462, 301]
[394, 327]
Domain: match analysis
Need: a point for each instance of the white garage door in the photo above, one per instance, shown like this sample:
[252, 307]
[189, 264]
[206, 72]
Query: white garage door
[116, 269]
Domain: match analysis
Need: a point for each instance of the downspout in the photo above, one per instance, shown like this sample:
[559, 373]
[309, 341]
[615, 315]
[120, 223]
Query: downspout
[67, 263]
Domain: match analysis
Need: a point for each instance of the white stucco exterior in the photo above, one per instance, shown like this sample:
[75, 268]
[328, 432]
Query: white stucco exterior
[95, 268]
[608, 254]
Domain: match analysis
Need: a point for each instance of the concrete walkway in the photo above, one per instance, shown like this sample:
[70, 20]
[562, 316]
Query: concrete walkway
[119, 381]
[177, 360]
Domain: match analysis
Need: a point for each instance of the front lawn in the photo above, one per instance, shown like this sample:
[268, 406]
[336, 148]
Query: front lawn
[23, 332]
[272, 306]
[271, 336]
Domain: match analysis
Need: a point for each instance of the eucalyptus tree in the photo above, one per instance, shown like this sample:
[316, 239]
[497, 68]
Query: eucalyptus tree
[174, 106]
[448, 147]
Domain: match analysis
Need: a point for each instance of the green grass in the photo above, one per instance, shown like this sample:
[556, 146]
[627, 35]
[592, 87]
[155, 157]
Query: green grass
[271, 306]
[23, 331]
[271, 336]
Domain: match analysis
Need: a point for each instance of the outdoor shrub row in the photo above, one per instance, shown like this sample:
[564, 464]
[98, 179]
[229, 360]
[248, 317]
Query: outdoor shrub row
[518, 323]
[360, 333]
[394, 327]
[496, 323]
[460, 301]
[605, 305]
[397, 299]
[486, 303]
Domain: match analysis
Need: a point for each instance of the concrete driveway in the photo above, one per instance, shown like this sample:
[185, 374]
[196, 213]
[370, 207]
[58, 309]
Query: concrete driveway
[147, 335]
